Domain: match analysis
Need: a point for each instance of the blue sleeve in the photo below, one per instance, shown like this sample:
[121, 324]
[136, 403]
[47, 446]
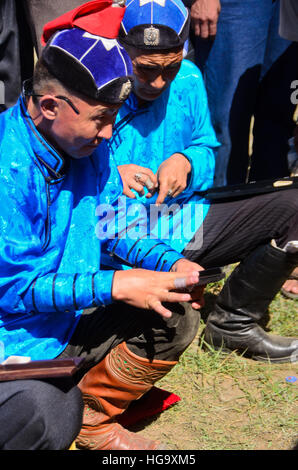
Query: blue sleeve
[28, 281]
[133, 244]
[202, 150]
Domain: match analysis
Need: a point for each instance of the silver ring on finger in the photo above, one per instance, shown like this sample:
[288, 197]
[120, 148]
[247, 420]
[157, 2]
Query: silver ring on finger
[148, 183]
[170, 192]
[138, 176]
[180, 282]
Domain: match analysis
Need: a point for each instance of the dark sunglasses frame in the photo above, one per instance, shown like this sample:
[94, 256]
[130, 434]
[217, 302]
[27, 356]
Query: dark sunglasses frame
[60, 97]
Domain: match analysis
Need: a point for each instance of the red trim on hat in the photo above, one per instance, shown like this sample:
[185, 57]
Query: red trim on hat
[97, 17]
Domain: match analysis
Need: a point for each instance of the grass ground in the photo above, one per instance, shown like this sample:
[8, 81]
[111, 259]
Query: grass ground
[229, 402]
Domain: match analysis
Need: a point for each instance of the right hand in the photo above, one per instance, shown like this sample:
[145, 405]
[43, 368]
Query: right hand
[204, 16]
[148, 289]
[147, 179]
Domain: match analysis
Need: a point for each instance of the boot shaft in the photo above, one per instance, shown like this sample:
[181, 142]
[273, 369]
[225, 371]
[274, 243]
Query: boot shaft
[122, 377]
[255, 281]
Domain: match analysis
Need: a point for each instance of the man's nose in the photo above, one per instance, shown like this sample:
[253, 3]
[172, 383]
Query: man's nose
[158, 82]
[106, 132]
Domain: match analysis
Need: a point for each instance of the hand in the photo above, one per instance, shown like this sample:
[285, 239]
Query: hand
[197, 292]
[148, 289]
[137, 177]
[172, 176]
[204, 16]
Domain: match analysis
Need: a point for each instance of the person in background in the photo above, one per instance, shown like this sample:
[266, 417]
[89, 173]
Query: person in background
[16, 51]
[244, 62]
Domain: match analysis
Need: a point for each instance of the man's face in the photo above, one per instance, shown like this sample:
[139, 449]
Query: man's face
[80, 134]
[154, 72]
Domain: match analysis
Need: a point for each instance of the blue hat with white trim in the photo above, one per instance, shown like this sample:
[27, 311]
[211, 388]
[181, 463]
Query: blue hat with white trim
[92, 65]
[155, 24]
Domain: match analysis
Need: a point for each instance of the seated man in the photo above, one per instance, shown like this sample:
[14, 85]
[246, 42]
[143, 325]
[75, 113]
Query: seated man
[164, 126]
[55, 300]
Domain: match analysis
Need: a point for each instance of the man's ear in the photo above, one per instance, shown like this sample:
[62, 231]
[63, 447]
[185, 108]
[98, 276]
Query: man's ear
[49, 107]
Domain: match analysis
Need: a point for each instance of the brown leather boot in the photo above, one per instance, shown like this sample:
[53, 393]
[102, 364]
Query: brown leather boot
[108, 388]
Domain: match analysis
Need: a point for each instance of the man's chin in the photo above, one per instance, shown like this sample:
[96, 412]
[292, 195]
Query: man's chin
[86, 151]
[147, 96]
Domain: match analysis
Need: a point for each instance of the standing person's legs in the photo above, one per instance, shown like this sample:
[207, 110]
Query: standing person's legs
[232, 71]
[36, 415]
[273, 117]
[242, 231]
[10, 65]
[40, 12]
[16, 52]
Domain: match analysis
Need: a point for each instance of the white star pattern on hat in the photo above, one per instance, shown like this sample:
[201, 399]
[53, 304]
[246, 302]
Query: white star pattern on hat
[159, 2]
[108, 43]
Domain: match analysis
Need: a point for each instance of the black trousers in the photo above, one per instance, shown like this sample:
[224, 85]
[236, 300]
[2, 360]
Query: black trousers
[231, 231]
[234, 228]
[37, 415]
[16, 51]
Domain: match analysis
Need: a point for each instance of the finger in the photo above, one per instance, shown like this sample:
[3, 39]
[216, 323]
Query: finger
[212, 28]
[183, 280]
[178, 190]
[146, 178]
[150, 185]
[198, 305]
[149, 174]
[199, 301]
[196, 27]
[204, 29]
[177, 297]
[163, 192]
[127, 192]
[157, 306]
[137, 187]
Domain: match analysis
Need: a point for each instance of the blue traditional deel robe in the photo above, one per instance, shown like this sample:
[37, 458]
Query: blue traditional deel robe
[57, 218]
[177, 121]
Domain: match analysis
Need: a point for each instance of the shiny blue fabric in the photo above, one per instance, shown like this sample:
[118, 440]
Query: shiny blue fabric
[50, 248]
[178, 121]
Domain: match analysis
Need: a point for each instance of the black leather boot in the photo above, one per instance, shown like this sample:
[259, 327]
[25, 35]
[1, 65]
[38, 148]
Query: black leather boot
[243, 302]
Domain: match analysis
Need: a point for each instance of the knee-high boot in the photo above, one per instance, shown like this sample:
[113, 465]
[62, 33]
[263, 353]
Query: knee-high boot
[108, 388]
[243, 302]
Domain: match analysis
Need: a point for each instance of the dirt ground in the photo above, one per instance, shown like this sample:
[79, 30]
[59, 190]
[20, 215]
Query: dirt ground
[229, 402]
[221, 412]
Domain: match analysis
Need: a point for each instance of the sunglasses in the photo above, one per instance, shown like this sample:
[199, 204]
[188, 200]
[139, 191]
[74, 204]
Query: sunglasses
[59, 97]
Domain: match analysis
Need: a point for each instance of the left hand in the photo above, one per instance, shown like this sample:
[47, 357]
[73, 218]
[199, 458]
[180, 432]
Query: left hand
[204, 17]
[172, 176]
[196, 292]
[146, 178]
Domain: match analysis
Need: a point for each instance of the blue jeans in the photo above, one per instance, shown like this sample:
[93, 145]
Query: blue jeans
[248, 71]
